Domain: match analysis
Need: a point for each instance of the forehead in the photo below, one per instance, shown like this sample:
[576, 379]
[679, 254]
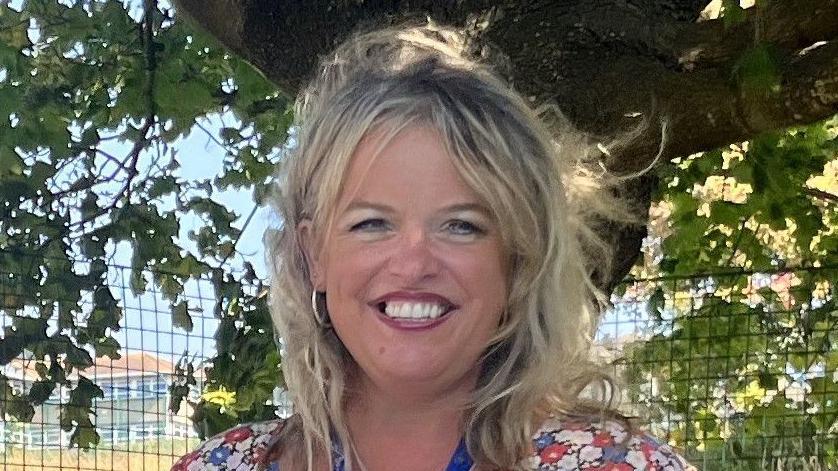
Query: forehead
[412, 164]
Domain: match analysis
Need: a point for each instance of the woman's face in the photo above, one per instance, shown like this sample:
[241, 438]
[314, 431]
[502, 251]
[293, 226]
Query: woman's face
[413, 267]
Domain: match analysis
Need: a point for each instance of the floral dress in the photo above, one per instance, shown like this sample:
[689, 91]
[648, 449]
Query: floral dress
[559, 445]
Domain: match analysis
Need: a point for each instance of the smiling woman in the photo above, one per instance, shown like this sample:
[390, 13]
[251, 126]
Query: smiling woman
[409, 235]
[429, 284]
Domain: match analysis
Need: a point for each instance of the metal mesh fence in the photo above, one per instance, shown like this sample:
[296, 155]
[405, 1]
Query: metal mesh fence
[737, 370]
[136, 428]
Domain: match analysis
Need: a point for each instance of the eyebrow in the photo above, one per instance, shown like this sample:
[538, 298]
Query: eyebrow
[361, 204]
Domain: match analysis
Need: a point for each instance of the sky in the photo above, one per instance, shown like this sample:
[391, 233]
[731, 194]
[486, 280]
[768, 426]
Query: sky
[147, 318]
[147, 321]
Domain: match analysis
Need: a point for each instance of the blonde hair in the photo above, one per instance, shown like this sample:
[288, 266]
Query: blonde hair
[537, 175]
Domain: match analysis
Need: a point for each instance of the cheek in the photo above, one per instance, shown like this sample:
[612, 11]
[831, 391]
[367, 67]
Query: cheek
[484, 273]
[350, 268]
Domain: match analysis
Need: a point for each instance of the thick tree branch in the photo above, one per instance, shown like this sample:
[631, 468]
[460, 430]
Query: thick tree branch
[223, 19]
[610, 65]
[787, 25]
[707, 109]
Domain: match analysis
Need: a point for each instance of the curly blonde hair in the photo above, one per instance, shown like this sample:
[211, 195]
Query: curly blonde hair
[534, 173]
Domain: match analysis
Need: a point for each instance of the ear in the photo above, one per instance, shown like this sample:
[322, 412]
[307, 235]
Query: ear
[309, 246]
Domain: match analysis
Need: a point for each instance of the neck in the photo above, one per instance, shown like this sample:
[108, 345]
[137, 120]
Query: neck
[383, 420]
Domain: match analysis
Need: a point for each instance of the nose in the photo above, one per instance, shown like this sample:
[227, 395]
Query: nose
[413, 259]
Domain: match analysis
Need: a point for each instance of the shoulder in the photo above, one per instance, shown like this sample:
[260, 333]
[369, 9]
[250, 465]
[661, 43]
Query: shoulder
[241, 448]
[570, 444]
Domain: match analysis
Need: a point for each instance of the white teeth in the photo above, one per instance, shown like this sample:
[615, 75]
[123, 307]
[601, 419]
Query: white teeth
[414, 310]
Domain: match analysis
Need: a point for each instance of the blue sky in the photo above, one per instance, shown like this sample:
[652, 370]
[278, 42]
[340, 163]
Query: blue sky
[147, 321]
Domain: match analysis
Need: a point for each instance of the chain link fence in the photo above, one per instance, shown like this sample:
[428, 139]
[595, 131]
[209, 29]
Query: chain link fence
[738, 370]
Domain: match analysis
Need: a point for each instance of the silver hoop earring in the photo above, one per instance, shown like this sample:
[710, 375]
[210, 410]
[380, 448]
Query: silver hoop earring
[322, 319]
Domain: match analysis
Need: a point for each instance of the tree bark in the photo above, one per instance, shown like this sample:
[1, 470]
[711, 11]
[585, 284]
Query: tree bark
[610, 65]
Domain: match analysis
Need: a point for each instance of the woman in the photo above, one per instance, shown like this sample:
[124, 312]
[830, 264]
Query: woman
[435, 309]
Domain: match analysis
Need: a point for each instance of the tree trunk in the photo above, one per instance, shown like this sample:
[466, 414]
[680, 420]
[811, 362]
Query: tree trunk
[610, 65]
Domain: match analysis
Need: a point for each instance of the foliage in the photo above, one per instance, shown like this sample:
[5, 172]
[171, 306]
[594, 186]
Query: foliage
[739, 365]
[745, 361]
[94, 96]
[98, 94]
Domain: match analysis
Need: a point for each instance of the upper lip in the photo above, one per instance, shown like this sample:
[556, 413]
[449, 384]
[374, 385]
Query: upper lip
[416, 297]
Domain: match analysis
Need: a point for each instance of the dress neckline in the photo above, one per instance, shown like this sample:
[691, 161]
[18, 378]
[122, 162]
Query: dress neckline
[460, 460]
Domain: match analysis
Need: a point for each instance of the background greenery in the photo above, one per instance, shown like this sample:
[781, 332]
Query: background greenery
[81, 80]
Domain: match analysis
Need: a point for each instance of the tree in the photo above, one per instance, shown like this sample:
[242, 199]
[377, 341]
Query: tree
[77, 76]
[80, 81]
[740, 357]
[607, 65]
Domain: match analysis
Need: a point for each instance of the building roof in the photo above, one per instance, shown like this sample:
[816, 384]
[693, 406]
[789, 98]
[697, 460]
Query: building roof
[135, 364]
[132, 365]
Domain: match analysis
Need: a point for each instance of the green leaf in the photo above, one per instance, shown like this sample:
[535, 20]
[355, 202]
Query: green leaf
[85, 436]
[10, 162]
[41, 391]
[756, 72]
[89, 206]
[163, 186]
[656, 303]
[108, 347]
[732, 13]
[727, 213]
[14, 31]
[13, 404]
[229, 134]
[181, 317]
[137, 281]
[79, 358]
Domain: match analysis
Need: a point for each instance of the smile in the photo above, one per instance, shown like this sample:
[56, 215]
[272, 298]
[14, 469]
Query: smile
[413, 307]
[413, 310]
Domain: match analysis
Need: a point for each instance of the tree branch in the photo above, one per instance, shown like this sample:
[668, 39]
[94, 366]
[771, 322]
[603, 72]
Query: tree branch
[599, 61]
[822, 195]
[226, 27]
[707, 110]
[129, 164]
[609, 65]
[238, 238]
[787, 25]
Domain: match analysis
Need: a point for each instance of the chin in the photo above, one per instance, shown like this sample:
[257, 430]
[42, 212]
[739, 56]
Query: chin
[432, 373]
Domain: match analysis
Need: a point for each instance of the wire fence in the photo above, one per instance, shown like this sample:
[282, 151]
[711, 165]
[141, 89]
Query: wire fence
[738, 370]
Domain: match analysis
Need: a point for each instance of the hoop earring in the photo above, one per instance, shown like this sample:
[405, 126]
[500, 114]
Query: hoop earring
[322, 319]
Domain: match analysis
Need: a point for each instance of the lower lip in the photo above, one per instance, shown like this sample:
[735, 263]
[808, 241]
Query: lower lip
[411, 325]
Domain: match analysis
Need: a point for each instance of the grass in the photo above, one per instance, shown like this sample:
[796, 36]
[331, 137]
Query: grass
[150, 455]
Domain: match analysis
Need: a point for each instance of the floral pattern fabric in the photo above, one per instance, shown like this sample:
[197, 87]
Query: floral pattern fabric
[569, 445]
[241, 448]
[559, 445]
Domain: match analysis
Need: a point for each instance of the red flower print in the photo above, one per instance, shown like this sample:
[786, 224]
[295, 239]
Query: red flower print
[603, 439]
[185, 460]
[553, 453]
[618, 467]
[238, 434]
[648, 448]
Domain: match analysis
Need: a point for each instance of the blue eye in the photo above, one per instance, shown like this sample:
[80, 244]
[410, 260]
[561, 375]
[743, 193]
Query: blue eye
[369, 225]
[460, 227]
